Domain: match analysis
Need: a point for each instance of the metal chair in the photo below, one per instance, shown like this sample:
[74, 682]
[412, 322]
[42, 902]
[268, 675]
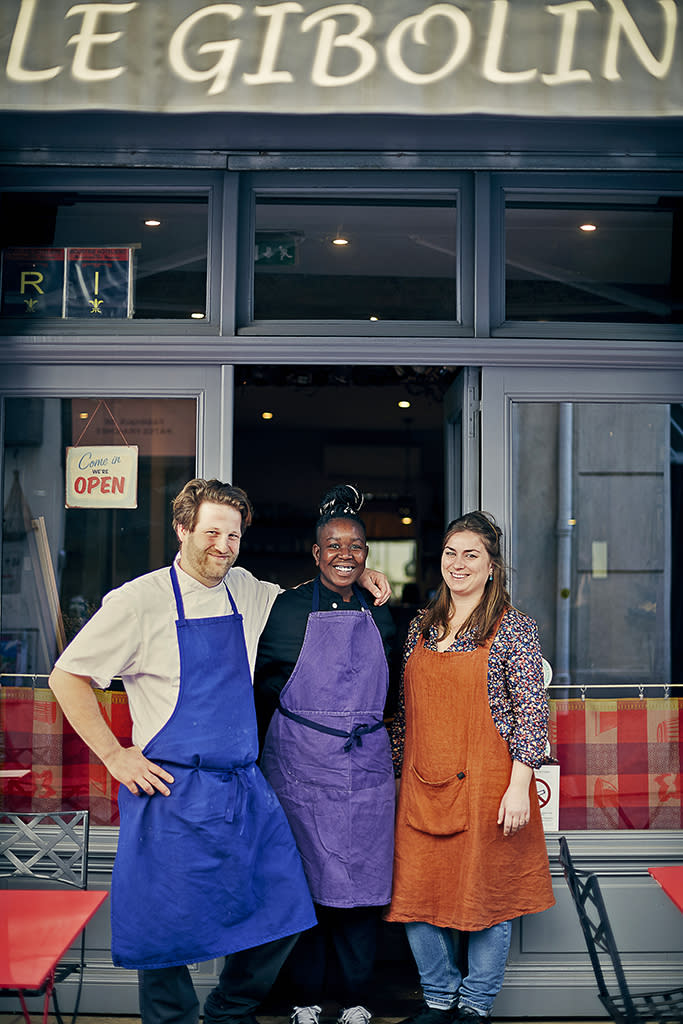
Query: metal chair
[47, 850]
[624, 1006]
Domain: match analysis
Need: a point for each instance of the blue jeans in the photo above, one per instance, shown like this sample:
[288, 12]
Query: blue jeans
[435, 953]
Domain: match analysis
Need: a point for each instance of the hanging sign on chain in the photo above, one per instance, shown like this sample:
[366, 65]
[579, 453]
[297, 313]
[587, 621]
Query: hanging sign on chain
[102, 476]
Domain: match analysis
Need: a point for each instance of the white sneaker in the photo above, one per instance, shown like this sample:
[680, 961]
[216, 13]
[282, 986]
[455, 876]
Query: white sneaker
[354, 1015]
[305, 1015]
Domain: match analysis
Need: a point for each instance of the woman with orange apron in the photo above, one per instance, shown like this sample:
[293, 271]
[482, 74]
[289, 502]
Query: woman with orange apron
[470, 851]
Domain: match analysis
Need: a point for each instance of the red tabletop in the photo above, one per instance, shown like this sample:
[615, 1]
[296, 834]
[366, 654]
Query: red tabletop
[37, 926]
[671, 881]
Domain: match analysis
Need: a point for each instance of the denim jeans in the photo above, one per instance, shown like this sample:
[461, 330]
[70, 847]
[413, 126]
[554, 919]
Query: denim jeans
[435, 953]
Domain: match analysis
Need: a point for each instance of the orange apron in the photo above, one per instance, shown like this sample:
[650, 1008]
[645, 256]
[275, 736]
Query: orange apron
[453, 867]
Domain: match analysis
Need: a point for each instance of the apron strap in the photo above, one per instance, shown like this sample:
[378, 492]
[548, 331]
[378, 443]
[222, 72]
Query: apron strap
[179, 599]
[353, 738]
[315, 603]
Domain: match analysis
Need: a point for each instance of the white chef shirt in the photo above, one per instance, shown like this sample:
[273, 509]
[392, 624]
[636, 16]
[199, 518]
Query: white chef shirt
[133, 635]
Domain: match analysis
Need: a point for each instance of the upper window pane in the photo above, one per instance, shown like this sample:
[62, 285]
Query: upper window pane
[77, 256]
[361, 259]
[601, 263]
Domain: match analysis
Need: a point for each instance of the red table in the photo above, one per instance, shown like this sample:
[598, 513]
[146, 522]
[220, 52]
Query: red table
[671, 881]
[37, 926]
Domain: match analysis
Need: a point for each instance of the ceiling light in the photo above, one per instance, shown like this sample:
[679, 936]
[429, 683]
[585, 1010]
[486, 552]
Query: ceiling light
[588, 227]
[406, 520]
[266, 415]
[404, 404]
[374, 319]
[197, 316]
[151, 223]
[340, 241]
[82, 415]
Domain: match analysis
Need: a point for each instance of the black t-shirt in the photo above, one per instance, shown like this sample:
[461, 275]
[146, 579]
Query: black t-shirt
[283, 637]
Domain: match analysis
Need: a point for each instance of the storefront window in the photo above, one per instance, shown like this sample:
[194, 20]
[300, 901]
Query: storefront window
[58, 562]
[598, 498]
[594, 262]
[360, 259]
[76, 256]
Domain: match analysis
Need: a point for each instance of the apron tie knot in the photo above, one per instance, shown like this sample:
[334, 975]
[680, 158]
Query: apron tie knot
[236, 794]
[353, 738]
[357, 733]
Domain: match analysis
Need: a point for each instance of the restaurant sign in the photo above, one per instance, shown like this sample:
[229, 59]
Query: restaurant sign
[617, 58]
[102, 476]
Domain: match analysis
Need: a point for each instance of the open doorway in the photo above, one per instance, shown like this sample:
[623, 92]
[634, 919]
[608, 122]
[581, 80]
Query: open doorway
[298, 431]
[301, 429]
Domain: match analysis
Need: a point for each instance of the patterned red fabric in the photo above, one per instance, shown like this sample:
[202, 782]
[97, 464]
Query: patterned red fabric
[620, 762]
[63, 773]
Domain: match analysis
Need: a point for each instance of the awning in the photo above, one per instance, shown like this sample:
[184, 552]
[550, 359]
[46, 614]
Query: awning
[590, 58]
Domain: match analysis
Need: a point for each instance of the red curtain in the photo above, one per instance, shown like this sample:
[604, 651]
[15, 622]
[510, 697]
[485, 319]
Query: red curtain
[620, 763]
[63, 774]
[620, 760]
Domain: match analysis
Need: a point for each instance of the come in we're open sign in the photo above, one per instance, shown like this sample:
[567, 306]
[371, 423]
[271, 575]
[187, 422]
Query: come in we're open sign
[102, 476]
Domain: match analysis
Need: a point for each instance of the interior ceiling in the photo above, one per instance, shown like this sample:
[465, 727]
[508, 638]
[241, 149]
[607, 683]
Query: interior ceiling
[358, 398]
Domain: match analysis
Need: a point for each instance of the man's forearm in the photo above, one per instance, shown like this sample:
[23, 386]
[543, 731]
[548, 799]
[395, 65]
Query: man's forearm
[128, 765]
[80, 705]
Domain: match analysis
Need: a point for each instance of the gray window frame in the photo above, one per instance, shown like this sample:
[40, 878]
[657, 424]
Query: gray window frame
[375, 184]
[572, 186]
[121, 184]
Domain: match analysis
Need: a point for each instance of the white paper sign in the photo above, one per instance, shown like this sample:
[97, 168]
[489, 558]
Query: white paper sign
[548, 788]
[102, 476]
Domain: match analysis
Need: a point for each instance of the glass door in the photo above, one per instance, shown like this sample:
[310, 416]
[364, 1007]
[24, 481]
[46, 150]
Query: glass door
[74, 530]
[584, 472]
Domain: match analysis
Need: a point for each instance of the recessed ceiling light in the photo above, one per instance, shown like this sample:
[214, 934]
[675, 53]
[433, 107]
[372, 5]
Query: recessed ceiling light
[374, 319]
[197, 316]
[340, 241]
[266, 415]
[151, 223]
[404, 404]
[588, 227]
[406, 520]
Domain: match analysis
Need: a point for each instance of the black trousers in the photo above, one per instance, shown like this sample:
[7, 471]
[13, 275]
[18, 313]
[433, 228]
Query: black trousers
[336, 958]
[167, 994]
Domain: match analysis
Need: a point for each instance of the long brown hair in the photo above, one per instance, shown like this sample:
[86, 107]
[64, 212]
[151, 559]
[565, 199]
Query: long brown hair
[495, 599]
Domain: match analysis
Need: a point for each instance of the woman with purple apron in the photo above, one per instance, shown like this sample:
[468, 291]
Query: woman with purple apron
[322, 664]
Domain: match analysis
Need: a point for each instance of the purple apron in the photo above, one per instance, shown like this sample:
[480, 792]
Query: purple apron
[212, 868]
[327, 757]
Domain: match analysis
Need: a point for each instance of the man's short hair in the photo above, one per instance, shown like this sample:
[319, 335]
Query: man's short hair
[195, 492]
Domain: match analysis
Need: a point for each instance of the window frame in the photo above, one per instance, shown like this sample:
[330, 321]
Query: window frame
[123, 184]
[573, 187]
[364, 185]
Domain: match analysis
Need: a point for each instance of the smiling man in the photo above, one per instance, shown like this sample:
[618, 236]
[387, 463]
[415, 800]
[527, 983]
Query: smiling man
[206, 863]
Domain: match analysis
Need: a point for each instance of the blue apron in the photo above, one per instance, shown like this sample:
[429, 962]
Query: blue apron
[212, 868]
[327, 756]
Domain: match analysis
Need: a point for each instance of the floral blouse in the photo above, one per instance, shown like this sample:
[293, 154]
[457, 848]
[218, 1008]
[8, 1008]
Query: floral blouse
[517, 697]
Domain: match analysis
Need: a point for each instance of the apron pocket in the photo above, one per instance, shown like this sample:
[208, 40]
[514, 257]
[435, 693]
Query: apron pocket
[437, 808]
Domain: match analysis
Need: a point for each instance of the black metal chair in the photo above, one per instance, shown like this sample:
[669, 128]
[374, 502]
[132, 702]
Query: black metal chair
[47, 850]
[623, 1006]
